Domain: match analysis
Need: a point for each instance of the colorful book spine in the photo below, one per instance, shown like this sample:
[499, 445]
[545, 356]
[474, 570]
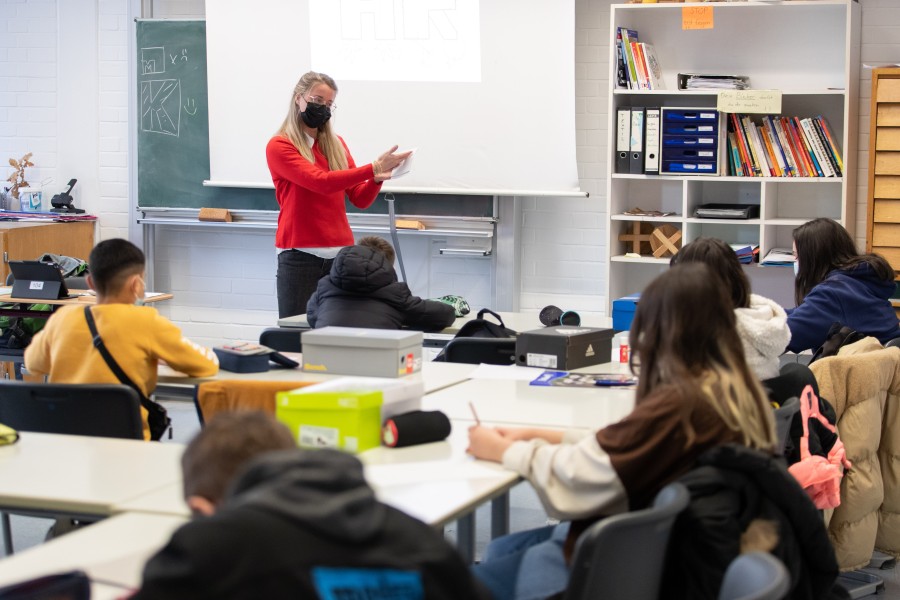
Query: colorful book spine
[783, 161]
[775, 159]
[816, 146]
[832, 141]
[806, 168]
[782, 137]
[641, 66]
[628, 36]
[741, 143]
[809, 151]
[829, 152]
[734, 154]
[759, 154]
[621, 69]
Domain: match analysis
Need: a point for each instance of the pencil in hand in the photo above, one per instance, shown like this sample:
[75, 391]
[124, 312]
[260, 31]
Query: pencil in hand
[474, 414]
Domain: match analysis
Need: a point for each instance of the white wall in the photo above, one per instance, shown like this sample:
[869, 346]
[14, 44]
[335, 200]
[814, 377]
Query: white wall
[63, 95]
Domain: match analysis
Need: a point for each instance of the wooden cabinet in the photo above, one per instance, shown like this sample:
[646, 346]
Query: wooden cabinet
[809, 52]
[883, 207]
[29, 240]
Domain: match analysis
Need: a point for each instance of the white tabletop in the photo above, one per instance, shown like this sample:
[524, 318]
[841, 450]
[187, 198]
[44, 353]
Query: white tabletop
[82, 475]
[112, 552]
[435, 376]
[518, 403]
[436, 483]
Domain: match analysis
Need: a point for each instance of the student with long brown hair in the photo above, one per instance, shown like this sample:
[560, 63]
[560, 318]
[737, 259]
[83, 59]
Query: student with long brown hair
[313, 171]
[837, 284]
[761, 322]
[695, 392]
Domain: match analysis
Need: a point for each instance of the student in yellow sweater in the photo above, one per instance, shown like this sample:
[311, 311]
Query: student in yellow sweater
[138, 337]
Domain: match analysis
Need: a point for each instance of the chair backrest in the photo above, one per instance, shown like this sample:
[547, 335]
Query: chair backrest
[893, 342]
[491, 351]
[282, 339]
[103, 410]
[623, 556]
[784, 415]
[755, 576]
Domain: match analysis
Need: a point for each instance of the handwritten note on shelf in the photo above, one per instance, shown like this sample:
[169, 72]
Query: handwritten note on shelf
[697, 17]
[767, 102]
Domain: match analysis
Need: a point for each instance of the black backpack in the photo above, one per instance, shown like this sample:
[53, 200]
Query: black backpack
[480, 327]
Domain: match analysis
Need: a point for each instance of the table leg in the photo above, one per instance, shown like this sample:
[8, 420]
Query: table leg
[500, 516]
[465, 537]
[7, 533]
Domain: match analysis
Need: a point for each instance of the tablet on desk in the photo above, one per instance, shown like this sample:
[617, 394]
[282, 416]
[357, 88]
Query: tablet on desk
[37, 280]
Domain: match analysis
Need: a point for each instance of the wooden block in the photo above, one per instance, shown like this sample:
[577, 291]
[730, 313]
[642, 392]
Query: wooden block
[887, 163]
[665, 241]
[639, 238]
[221, 215]
[892, 255]
[887, 211]
[888, 90]
[887, 186]
[886, 234]
[888, 114]
[887, 138]
[410, 224]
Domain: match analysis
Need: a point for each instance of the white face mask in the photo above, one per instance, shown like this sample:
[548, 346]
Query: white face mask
[796, 267]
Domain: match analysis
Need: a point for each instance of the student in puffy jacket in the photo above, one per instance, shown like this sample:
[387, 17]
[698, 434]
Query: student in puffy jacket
[695, 392]
[761, 322]
[836, 284]
[362, 291]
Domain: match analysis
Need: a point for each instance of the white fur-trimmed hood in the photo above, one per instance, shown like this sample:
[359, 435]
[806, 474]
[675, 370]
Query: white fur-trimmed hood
[764, 333]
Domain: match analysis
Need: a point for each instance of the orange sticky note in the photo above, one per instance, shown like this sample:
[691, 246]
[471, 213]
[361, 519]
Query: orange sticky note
[697, 17]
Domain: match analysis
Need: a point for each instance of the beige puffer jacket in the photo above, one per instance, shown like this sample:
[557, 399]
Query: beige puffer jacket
[863, 384]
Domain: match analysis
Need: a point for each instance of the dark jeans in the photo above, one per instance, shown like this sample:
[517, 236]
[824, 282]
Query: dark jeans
[296, 280]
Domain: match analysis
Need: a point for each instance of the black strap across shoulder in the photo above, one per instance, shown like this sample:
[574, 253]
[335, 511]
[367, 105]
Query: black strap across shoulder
[146, 402]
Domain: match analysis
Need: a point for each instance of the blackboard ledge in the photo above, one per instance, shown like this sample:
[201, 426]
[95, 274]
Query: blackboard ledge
[471, 227]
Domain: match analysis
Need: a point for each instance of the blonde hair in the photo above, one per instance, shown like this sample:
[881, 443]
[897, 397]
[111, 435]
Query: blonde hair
[292, 127]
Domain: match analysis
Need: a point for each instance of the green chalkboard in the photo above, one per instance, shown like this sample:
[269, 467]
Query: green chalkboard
[173, 122]
[173, 134]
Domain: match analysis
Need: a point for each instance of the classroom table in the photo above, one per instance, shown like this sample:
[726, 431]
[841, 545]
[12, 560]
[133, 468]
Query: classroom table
[82, 476]
[518, 403]
[112, 552]
[79, 297]
[437, 483]
[435, 376]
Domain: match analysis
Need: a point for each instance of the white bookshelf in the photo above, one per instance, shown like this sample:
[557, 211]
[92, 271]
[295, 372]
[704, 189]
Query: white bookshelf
[807, 49]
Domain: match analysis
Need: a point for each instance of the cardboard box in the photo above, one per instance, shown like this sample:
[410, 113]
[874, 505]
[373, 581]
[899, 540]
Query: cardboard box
[367, 352]
[563, 347]
[623, 312]
[346, 413]
[345, 420]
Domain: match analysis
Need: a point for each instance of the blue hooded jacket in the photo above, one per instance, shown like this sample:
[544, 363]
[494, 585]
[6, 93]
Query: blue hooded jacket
[854, 297]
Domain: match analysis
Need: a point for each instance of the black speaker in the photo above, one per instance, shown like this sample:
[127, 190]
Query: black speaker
[552, 316]
[415, 427]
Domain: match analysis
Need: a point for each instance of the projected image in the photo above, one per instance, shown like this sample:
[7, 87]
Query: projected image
[396, 40]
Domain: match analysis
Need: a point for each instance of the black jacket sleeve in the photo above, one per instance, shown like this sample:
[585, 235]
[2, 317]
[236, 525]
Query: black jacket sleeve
[427, 315]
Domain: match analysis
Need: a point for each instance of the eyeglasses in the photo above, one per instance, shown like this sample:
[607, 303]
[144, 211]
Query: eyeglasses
[320, 100]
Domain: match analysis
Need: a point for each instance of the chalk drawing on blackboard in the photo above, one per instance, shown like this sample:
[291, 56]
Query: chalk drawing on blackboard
[176, 57]
[153, 61]
[161, 106]
[190, 107]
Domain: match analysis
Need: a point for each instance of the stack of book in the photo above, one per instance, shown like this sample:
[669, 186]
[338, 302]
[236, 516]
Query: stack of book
[638, 66]
[702, 81]
[779, 257]
[782, 147]
[746, 253]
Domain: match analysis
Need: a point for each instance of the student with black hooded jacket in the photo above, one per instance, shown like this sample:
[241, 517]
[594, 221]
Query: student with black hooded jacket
[362, 291]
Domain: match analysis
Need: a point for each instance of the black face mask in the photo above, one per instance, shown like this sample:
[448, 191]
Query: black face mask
[315, 115]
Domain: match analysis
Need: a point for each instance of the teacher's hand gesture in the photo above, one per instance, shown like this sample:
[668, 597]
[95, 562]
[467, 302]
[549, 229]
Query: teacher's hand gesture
[387, 162]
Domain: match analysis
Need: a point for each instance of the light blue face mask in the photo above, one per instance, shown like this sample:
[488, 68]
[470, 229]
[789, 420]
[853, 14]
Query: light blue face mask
[796, 267]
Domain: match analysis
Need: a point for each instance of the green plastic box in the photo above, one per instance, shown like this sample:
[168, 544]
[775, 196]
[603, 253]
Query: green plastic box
[346, 420]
